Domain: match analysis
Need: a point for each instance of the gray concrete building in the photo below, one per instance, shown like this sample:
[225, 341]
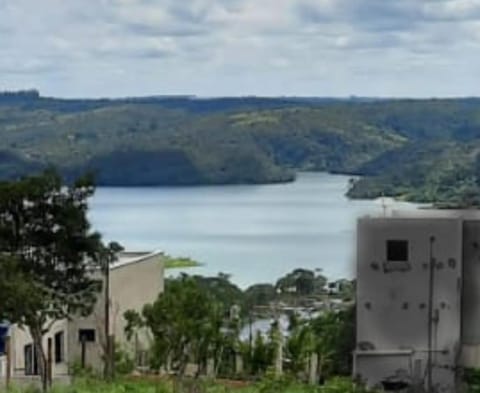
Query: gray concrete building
[136, 278]
[418, 299]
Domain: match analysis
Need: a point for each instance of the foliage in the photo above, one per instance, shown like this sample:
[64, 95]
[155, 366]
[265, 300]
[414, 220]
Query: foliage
[302, 282]
[418, 150]
[300, 345]
[172, 141]
[186, 323]
[222, 290]
[471, 377]
[334, 341]
[124, 364]
[342, 385]
[262, 355]
[269, 384]
[180, 263]
[50, 253]
[260, 294]
[79, 371]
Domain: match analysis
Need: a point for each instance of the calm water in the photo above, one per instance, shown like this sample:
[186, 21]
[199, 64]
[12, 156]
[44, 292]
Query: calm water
[254, 233]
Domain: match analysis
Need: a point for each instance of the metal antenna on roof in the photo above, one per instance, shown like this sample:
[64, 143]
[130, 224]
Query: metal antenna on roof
[384, 205]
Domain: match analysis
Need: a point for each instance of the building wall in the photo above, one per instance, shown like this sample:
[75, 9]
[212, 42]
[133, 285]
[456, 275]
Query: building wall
[392, 298]
[20, 337]
[128, 294]
[132, 285]
[470, 356]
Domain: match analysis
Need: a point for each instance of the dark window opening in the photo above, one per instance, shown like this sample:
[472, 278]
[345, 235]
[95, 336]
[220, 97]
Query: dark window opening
[30, 358]
[59, 347]
[86, 335]
[3, 335]
[397, 250]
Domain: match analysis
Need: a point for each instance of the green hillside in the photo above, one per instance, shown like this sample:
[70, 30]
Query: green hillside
[420, 150]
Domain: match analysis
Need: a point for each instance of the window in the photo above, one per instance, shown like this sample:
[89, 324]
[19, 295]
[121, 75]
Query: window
[397, 250]
[3, 334]
[86, 335]
[30, 358]
[59, 347]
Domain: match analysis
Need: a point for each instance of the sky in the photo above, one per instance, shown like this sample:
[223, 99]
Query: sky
[113, 48]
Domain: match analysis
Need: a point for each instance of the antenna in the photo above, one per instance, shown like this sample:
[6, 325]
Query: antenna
[384, 205]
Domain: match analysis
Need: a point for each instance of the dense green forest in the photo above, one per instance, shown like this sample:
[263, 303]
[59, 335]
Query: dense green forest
[419, 150]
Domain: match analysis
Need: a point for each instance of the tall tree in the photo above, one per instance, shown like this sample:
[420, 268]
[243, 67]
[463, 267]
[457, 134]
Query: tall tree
[49, 253]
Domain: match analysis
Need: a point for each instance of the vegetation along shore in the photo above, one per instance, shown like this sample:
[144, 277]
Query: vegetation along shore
[415, 150]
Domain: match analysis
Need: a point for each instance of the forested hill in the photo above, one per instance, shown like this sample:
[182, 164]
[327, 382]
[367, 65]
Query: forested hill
[423, 150]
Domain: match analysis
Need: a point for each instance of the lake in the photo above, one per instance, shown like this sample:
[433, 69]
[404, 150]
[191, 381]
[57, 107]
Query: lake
[255, 233]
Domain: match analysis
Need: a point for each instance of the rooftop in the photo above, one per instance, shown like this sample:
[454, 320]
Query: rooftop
[130, 257]
[422, 213]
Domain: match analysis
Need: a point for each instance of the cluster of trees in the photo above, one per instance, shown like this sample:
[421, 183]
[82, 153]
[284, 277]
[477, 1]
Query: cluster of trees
[182, 141]
[198, 320]
[419, 150]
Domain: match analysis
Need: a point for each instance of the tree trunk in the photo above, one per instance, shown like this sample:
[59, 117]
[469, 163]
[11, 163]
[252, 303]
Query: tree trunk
[37, 337]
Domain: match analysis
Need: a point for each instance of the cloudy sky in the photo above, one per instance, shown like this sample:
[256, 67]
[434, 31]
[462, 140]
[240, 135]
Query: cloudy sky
[86, 48]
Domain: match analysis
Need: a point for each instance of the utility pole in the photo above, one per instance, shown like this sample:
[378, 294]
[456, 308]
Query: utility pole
[8, 352]
[384, 205]
[431, 283]
[108, 360]
[108, 256]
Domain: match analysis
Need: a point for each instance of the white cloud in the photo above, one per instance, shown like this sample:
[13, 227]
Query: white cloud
[233, 47]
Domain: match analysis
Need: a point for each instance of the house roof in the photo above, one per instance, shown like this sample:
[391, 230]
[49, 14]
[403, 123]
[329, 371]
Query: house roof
[131, 257]
[466, 214]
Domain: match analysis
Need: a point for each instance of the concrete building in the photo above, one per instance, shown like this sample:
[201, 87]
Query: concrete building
[418, 299]
[136, 278]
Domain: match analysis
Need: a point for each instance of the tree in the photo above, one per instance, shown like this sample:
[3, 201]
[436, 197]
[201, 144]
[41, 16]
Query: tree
[262, 356]
[259, 295]
[48, 255]
[300, 345]
[335, 341]
[186, 323]
[302, 282]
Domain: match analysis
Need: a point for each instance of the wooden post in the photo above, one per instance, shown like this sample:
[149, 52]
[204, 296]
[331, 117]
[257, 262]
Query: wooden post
[313, 369]
[8, 352]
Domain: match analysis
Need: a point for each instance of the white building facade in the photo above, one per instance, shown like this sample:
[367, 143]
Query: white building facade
[418, 300]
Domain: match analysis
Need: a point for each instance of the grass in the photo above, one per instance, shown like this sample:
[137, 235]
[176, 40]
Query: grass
[180, 263]
[156, 384]
[160, 386]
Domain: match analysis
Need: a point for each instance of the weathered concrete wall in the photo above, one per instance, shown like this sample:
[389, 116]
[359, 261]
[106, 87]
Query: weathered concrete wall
[470, 356]
[132, 285]
[20, 337]
[133, 294]
[392, 297]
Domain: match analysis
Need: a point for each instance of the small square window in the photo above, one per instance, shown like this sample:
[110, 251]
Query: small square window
[397, 250]
[86, 335]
